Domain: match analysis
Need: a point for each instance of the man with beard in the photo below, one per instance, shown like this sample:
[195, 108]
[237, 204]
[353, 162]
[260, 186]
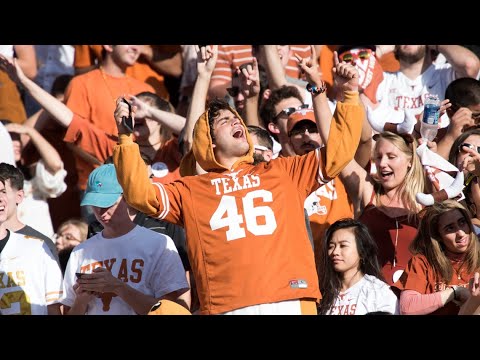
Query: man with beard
[407, 88]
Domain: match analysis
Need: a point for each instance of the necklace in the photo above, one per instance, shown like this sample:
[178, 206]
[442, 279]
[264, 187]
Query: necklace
[108, 86]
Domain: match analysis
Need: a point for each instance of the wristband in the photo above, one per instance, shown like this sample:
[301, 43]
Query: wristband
[454, 293]
[314, 90]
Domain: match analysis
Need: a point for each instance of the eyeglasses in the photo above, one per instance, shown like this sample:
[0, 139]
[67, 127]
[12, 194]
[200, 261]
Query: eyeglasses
[300, 130]
[290, 110]
[68, 237]
[470, 146]
[351, 56]
[233, 91]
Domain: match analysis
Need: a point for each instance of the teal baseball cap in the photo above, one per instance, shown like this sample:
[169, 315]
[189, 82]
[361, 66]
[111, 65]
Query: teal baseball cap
[103, 189]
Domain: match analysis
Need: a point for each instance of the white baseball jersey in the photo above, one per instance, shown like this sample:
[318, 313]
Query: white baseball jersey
[398, 92]
[368, 295]
[146, 260]
[30, 278]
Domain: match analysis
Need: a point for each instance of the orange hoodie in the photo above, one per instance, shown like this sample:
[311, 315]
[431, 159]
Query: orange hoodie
[246, 236]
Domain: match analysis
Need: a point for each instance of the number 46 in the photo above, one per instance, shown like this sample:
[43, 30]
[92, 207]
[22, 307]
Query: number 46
[227, 215]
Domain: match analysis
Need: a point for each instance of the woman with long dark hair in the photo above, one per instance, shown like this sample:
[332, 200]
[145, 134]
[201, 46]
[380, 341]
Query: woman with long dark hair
[353, 283]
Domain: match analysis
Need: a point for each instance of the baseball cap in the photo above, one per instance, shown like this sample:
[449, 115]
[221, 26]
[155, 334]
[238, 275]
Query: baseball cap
[299, 115]
[103, 188]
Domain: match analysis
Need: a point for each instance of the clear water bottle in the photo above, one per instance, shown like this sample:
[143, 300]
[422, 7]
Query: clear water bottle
[431, 111]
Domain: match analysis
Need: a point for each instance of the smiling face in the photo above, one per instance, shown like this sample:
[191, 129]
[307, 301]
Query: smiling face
[454, 231]
[392, 164]
[125, 54]
[229, 136]
[342, 251]
[10, 199]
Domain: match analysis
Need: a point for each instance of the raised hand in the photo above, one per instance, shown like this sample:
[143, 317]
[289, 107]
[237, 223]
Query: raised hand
[120, 111]
[142, 108]
[206, 58]
[471, 163]
[345, 75]
[310, 67]
[249, 79]
[12, 68]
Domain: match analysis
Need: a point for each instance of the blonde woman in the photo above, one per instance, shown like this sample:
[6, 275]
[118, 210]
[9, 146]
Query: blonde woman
[386, 203]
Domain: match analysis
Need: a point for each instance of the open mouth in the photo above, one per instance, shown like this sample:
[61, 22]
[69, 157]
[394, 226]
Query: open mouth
[239, 133]
[385, 175]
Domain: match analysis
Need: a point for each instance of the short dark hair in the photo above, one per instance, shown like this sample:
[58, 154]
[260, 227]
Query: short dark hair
[214, 108]
[10, 172]
[463, 92]
[263, 136]
[267, 112]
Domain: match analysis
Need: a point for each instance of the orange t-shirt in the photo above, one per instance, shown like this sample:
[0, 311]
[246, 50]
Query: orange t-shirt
[92, 97]
[420, 276]
[88, 55]
[92, 140]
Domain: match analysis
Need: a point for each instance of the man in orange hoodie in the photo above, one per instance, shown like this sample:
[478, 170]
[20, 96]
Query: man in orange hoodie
[246, 236]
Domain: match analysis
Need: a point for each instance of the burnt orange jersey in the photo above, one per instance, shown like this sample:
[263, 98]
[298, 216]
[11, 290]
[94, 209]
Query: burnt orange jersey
[246, 236]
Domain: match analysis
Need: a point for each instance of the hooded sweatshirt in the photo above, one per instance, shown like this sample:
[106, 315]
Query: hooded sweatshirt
[246, 237]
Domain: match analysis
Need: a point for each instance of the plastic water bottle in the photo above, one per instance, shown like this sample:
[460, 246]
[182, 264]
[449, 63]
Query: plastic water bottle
[431, 111]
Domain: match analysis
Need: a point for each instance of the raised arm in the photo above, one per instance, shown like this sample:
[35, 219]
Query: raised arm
[50, 156]
[465, 62]
[323, 115]
[172, 121]
[250, 88]
[346, 125]
[206, 60]
[58, 110]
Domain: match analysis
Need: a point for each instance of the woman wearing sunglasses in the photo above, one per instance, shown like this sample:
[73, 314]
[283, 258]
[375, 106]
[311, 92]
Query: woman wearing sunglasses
[446, 255]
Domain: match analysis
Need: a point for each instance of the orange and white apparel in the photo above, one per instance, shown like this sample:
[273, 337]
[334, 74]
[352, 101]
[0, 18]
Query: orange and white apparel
[146, 260]
[325, 206]
[370, 294]
[30, 276]
[93, 96]
[247, 241]
[420, 276]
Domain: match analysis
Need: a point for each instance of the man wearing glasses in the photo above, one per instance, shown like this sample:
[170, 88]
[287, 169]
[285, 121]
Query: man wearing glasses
[275, 111]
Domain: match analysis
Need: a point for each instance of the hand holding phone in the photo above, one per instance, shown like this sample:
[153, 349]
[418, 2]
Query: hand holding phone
[127, 122]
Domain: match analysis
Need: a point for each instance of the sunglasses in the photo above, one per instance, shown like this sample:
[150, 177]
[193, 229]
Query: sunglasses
[290, 110]
[300, 130]
[470, 146]
[233, 91]
[350, 57]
